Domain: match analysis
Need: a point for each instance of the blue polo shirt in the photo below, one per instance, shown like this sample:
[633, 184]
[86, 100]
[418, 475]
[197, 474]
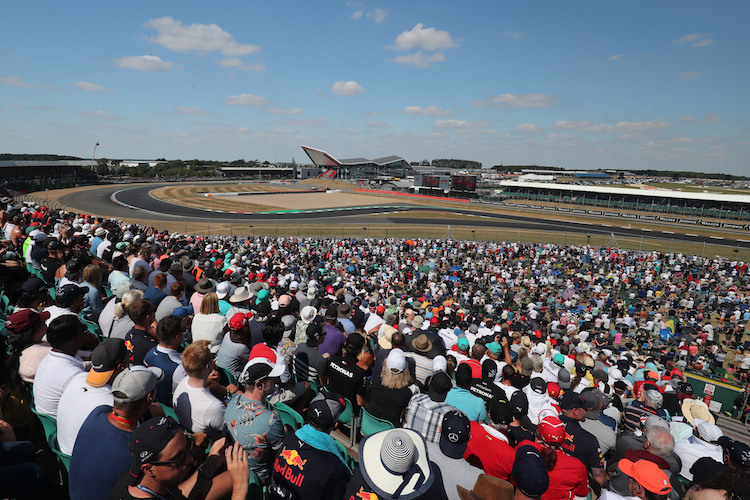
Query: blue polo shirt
[471, 405]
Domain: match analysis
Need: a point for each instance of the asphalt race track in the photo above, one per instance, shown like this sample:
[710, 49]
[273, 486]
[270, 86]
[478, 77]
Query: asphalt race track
[136, 202]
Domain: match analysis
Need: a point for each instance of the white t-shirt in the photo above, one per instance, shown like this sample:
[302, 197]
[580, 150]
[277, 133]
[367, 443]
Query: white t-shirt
[76, 403]
[209, 327]
[52, 377]
[197, 409]
[56, 311]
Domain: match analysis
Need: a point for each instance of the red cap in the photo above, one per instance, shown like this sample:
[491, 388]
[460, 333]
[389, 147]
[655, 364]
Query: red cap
[552, 430]
[380, 309]
[238, 321]
[25, 319]
[433, 320]
[553, 389]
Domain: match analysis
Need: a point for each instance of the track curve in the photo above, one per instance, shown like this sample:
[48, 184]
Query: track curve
[136, 202]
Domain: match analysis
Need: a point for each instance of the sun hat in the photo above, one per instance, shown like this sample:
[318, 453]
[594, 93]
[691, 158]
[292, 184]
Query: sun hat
[395, 464]
[241, 294]
[695, 409]
[205, 285]
[529, 472]
[307, 314]
[422, 344]
[707, 431]
[105, 358]
[455, 432]
[647, 474]
[396, 361]
[527, 366]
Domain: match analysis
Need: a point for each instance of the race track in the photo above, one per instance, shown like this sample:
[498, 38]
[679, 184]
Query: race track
[136, 202]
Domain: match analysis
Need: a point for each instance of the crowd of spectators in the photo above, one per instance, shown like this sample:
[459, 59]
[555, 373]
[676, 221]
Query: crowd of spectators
[497, 369]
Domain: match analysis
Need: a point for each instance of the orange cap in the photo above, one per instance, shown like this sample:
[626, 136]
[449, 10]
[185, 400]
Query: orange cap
[647, 474]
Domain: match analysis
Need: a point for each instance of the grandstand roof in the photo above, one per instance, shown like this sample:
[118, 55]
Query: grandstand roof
[323, 159]
[50, 163]
[652, 193]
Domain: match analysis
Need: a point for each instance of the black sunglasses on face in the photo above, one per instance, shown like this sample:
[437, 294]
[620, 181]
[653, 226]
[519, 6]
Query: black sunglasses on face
[180, 458]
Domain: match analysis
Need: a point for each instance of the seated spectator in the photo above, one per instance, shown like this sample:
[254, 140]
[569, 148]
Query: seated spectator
[310, 465]
[163, 466]
[645, 480]
[87, 391]
[389, 397]
[197, 409]
[172, 301]
[165, 356]
[249, 422]
[210, 324]
[334, 336]
[425, 412]
[119, 273]
[27, 328]
[235, 348]
[448, 452]
[92, 300]
[155, 293]
[309, 363]
[100, 453]
[20, 476]
[66, 335]
[345, 376]
[121, 322]
[142, 337]
[488, 445]
[461, 398]
[68, 301]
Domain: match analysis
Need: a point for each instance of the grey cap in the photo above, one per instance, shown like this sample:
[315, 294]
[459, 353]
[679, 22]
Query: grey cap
[563, 378]
[136, 383]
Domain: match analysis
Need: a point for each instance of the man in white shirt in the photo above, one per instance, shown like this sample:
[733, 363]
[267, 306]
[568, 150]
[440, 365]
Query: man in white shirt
[197, 409]
[69, 300]
[87, 391]
[66, 335]
[701, 444]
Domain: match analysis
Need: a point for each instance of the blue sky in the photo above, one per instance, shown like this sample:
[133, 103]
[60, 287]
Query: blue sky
[576, 84]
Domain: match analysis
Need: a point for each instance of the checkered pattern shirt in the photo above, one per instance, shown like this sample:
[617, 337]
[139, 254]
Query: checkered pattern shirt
[426, 416]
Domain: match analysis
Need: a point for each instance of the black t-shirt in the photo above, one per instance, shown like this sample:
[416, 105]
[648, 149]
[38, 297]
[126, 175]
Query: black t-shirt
[518, 434]
[387, 403]
[139, 343]
[487, 390]
[345, 377]
[49, 266]
[302, 472]
[120, 490]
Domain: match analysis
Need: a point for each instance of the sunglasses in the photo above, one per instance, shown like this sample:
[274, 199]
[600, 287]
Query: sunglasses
[179, 459]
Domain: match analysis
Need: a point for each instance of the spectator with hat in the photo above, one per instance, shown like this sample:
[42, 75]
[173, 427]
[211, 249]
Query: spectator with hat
[520, 427]
[604, 435]
[165, 356]
[421, 348]
[203, 287]
[26, 329]
[461, 397]
[89, 390]
[247, 419]
[388, 397]
[310, 465]
[344, 375]
[425, 412]
[579, 442]
[69, 300]
[100, 453]
[66, 335]
[529, 474]
[645, 481]
[485, 387]
[235, 347]
[702, 443]
[395, 464]
[448, 452]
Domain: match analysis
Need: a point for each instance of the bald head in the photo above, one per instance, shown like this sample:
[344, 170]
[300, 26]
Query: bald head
[477, 352]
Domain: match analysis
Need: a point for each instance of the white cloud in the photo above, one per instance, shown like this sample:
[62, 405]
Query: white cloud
[528, 128]
[453, 124]
[378, 124]
[626, 128]
[347, 88]
[566, 125]
[287, 111]
[420, 37]
[420, 59]
[90, 87]
[357, 14]
[144, 63]
[514, 34]
[371, 113]
[428, 111]
[378, 15]
[711, 118]
[247, 100]
[186, 110]
[695, 40]
[306, 122]
[530, 100]
[14, 81]
[237, 63]
[97, 115]
[173, 35]
[690, 75]
[686, 119]
[614, 57]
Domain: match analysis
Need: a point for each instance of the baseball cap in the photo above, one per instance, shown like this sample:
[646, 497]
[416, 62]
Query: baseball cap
[551, 429]
[600, 374]
[285, 300]
[494, 348]
[264, 363]
[66, 294]
[500, 412]
[519, 404]
[591, 398]
[149, 439]
[529, 472]
[238, 321]
[325, 408]
[563, 378]
[104, 360]
[463, 343]
[454, 434]
[355, 341]
[647, 474]
[136, 382]
[538, 385]
[738, 451]
[440, 384]
[570, 401]
[380, 309]
[25, 319]
[527, 366]
[34, 286]
[396, 361]
[553, 389]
